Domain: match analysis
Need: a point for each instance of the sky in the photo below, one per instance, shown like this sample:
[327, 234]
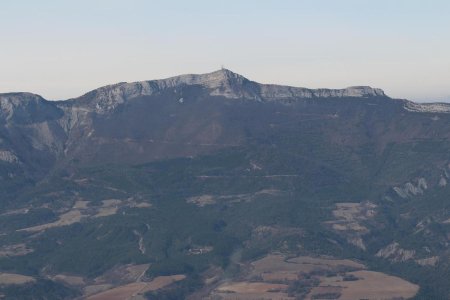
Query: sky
[61, 49]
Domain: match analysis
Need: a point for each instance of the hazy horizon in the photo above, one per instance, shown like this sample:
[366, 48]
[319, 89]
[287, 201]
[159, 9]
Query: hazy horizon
[63, 50]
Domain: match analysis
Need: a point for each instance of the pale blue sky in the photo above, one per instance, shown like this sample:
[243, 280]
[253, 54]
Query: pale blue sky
[62, 49]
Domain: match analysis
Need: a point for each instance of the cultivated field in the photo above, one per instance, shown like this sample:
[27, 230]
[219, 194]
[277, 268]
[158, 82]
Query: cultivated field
[252, 291]
[279, 277]
[279, 264]
[370, 285]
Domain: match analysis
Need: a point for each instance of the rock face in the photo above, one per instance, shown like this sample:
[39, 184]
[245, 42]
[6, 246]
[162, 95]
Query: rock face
[8, 156]
[428, 107]
[26, 108]
[411, 189]
[395, 253]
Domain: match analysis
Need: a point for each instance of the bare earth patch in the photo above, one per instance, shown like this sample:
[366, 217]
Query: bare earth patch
[14, 250]
[106, 211]
[71, 217]
[81, 204]
[81, 210]
[9, 278]
[349, 221]
[162, 281]
[111, 207]
[108, 208]
[204, 200]
[140, 204]
[71, 280]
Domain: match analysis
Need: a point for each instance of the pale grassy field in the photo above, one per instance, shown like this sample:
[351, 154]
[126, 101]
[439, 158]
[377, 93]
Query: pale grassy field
[68, 218]
[123, 292]
[71, 280]
[81, 210]
[9, 278]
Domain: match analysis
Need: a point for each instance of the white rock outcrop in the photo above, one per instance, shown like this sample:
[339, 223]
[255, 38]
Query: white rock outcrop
[428, 107]
[410, 189]
[393, 252]
[8, 156]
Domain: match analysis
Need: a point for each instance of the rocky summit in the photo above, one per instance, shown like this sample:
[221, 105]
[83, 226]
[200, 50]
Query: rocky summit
[219, 83]
[213, 186]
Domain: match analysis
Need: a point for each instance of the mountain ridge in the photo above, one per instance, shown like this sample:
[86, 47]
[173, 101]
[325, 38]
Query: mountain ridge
[225, 78]
[224, 83]
[218, 78]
